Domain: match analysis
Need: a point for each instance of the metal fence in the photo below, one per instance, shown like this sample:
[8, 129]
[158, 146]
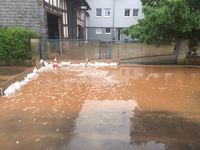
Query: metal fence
[100, 50]
[75, 49]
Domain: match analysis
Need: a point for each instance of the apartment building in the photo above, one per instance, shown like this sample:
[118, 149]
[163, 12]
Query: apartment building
[108, 18]
[49, 18]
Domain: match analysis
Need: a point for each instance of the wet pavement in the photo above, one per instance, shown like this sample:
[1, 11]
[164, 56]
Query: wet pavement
[122, 108]
[8, 72]
[159, 59]
[11, 70]
[1, 81]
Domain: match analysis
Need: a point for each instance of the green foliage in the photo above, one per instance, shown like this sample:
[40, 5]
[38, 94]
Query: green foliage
[167, 19]
[14, 44]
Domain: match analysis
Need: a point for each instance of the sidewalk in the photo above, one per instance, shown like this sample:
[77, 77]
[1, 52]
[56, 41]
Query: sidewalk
[9, 72]
[166, 59]
[195, 60]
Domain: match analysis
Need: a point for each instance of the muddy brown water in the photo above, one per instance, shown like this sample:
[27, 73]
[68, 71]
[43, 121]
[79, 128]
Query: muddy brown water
[122, 108]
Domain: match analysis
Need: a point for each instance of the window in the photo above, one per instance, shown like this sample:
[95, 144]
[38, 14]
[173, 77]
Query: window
[107, 31]
[98, 12]
[107, 12]
[127, 12]
[135, 12]
[98, 31]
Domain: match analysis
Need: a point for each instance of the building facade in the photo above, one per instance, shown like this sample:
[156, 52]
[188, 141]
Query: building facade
[108, 18]
[51, 19]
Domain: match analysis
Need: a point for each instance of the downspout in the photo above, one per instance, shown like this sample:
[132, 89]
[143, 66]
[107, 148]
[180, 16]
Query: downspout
[85, 26]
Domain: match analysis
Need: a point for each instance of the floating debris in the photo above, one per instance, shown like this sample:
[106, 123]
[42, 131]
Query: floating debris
[17, 142]
[45, 123]
[37, 140]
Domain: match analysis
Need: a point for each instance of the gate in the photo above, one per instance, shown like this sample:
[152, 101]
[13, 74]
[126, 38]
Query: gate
[75, 49]
[105, 50]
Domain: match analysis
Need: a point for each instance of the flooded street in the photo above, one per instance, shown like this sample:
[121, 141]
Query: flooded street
[121, 108]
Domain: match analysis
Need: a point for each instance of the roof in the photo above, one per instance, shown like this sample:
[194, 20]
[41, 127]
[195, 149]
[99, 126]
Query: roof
[83, 4]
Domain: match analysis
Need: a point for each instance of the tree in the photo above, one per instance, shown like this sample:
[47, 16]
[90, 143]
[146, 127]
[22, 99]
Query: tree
[168, 20]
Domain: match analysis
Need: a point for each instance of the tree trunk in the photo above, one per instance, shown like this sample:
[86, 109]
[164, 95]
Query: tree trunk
[182, 52]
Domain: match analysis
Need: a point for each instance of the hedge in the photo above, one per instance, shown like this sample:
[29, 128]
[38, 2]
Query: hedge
[15, 44]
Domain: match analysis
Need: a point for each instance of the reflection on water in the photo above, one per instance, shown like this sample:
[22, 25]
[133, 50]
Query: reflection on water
[103, 125]
[129, 108]
[164, 127]
[148, 146]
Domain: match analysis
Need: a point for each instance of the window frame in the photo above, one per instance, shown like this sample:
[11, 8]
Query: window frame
[99, 32]
[125, 12]
[135, 9]
[105, 12]
[107, 32]
[97, 12]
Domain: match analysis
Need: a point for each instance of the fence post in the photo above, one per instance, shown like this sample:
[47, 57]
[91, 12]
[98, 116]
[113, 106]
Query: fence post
[42, 54]
[61, 48]
[100, 47]
[177, 50]
[35, 47]
[110, 49]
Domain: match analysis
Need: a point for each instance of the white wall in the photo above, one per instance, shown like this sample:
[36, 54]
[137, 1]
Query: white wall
[93, 20]
[119, 7]
[125, 21]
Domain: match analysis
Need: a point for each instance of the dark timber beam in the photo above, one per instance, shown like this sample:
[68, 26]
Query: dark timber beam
[72, 22]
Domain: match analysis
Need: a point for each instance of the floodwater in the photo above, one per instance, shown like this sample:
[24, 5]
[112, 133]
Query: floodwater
[122, 108]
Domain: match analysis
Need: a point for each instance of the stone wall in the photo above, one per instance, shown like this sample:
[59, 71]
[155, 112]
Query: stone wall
[23, 13]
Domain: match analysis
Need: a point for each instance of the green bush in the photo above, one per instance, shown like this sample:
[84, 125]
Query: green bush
[15, 44]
